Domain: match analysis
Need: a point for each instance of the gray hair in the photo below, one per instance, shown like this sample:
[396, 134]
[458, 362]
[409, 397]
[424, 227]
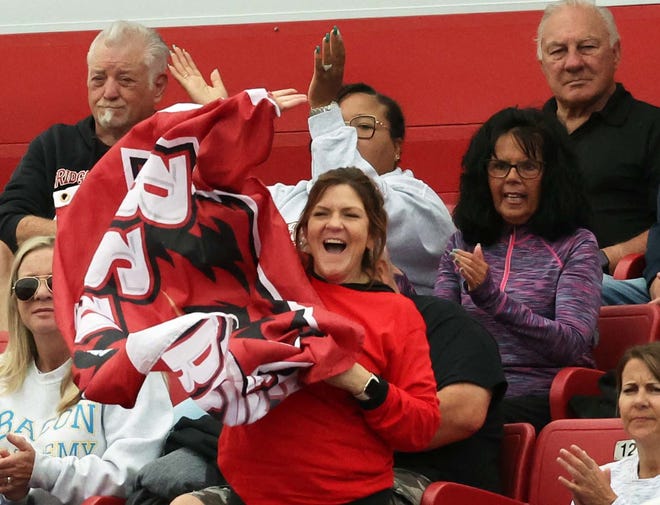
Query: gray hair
[605, 14]
[120, 32]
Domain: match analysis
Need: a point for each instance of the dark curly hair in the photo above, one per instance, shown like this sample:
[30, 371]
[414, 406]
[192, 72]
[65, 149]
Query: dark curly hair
[563, 205]
[374, 207]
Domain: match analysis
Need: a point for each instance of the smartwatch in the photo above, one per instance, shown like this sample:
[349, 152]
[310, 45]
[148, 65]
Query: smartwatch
[370, 389]
[604, 261]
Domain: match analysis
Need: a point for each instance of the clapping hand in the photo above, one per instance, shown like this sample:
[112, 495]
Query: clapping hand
[589, 484]
[16, 468]
[471, 265]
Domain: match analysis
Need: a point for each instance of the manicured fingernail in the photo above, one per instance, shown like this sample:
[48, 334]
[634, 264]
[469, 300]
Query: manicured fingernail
[327, 37]
[335, 30]
[317, 50]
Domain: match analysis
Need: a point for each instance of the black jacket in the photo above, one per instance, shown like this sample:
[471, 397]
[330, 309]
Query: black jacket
[56, 160]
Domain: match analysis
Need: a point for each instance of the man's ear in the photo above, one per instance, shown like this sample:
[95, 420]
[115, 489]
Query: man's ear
[616, 49]
[160, 84]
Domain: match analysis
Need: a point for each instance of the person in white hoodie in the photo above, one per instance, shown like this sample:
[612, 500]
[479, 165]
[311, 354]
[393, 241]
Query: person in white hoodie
[55, 446]
[354, 126]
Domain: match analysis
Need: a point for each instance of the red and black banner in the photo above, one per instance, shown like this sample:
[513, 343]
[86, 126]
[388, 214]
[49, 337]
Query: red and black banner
[173, 257]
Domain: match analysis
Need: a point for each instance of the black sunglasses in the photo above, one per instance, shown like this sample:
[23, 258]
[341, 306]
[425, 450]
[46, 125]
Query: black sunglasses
[26, 287]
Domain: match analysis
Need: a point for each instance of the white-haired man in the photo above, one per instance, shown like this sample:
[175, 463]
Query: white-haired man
[126, 78]
[616, 137]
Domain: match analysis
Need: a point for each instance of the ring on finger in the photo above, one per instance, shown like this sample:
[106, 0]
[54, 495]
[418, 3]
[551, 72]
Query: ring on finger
[327, 67]
[8, 480]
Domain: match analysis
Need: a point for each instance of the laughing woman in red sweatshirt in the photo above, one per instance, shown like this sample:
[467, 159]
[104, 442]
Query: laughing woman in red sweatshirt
[332, 442]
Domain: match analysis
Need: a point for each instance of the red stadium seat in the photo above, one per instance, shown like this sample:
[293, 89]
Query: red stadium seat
[515, 459]
[603, 439]
[569, 382]
[622, 326]
[104, 500]
[442, 493]
[599, 437]
[630, 266]
[515, 462]
[4, 340]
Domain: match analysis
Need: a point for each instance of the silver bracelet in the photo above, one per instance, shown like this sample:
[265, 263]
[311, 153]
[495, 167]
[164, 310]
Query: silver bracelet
[324, 108]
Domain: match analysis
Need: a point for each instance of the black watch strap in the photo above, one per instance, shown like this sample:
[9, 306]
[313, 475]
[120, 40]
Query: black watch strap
[374, 393]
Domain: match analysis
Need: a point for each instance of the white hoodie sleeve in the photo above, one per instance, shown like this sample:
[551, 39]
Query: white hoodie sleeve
[133, 438]
[419, 224]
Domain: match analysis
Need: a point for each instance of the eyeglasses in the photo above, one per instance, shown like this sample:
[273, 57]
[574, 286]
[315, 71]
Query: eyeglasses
[365, 126]
[527, 169]
[26, 287]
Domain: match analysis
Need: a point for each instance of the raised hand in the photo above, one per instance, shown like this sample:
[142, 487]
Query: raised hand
[288, 98]
[185, 71]
[472, 266]
[589, 484]
[329, 59]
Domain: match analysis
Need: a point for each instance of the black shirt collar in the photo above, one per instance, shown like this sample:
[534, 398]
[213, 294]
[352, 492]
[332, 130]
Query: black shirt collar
[375, 286]
[615, 112]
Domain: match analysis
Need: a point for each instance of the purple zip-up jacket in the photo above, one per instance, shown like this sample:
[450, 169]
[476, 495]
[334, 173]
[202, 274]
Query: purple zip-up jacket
[540, 300]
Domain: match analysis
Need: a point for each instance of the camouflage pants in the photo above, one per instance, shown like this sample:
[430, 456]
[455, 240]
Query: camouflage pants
[408, 487]
[214, 495]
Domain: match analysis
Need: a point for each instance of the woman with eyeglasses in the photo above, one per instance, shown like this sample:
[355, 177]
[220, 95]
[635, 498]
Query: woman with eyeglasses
[523, 262]
[56, 447]
[354, 125]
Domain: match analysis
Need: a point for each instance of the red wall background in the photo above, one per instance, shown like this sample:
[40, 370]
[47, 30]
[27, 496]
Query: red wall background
[448, 72]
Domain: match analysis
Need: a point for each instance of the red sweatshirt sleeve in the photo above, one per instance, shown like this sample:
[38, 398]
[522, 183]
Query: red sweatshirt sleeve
[409, 416]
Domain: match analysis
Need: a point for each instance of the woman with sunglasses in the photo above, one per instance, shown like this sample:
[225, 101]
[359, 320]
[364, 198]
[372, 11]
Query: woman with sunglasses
[523, 262]
[56, 447]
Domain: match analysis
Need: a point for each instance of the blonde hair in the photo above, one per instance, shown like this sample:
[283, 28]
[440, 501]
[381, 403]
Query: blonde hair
[21, 349]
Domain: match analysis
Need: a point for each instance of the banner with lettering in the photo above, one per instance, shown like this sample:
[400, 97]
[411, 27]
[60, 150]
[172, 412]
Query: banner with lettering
[173, 257]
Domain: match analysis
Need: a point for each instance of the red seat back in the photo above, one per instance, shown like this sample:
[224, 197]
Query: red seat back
[569, 382]
[515, 459]
[599, 437]
[622, 326]
[4, 340]
[630, 266]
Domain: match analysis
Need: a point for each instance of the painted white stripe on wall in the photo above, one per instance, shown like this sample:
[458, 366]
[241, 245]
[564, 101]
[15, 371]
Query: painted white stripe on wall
[31, 16]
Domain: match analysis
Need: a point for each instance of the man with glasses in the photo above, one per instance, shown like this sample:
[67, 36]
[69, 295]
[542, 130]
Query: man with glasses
[616, 137]
[354, 125]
